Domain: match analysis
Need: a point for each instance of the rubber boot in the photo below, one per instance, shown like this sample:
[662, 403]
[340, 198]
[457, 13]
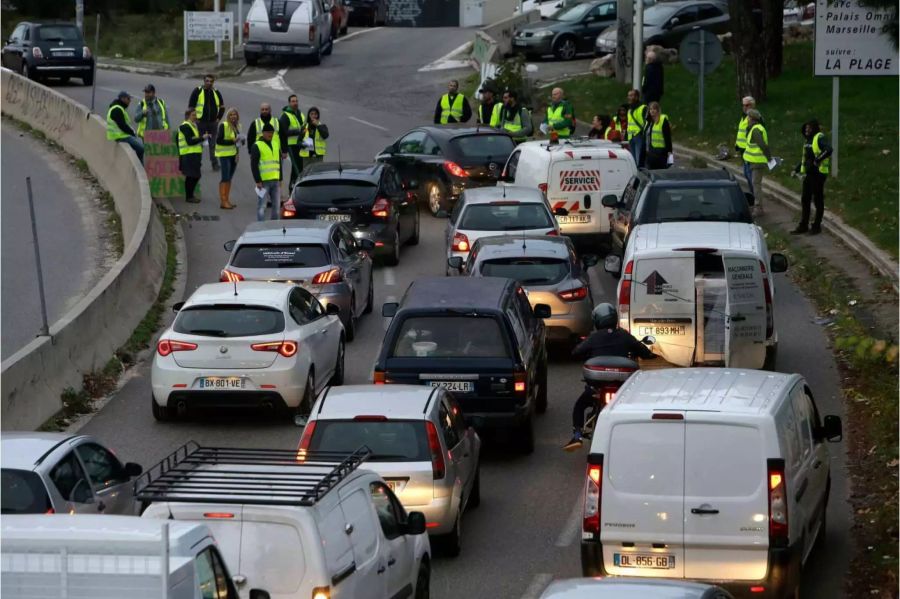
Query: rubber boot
[223, 198]
[229, 204]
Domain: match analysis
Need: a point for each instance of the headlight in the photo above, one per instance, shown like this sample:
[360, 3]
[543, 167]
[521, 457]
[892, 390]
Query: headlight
[543, 33]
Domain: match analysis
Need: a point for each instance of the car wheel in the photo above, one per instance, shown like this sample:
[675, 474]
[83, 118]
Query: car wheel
[436, 197]
[525, 436]
[414, 239]
[350, 325]
[452, 543]
[565, 48]
[317, 57]
[337, 379]
[26, 72]
[475, 493]
[344, 30]
[393, 259]
[160, 413]
[771, 357]
[423, 582]
[541, 403]
[251, 59]
[330, 46]
[88, 79]
[370, 297]
[309, 395]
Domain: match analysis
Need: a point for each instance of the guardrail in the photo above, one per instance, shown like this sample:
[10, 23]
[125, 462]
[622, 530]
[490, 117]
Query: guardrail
[83, 339]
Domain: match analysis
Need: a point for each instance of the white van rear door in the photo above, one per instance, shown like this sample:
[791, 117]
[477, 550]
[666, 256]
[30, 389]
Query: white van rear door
[726, 534]
[663, 304]
[224, 521]
[642, 499]
[571, 183]
[367, 541]
[745, 324]
[272, 553]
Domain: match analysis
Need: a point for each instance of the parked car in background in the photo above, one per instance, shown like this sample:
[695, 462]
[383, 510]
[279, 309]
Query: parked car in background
[445, 160]
[638, 588]
[340, 17]
[666, 23]
[796, 13]
[45, 473]
[49, 50]
[568, 32]
[369, 13]
[288, 29]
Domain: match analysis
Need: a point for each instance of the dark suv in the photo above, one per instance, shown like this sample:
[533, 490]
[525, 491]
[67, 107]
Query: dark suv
[677, 195]
[478, 338]
[370, 198]
[41, 50]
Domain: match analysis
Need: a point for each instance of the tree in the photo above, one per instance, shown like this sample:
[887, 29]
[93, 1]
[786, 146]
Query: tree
[748, 47]
[773, 35]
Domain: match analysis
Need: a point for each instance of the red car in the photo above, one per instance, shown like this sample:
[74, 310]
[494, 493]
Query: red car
[340, 17]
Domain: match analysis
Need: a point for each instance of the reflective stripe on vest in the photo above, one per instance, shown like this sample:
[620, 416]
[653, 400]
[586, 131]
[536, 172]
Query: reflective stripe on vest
[142, 126]
[320, 145]
[293, 140]
[635, 120]
[657, 139]
[229, 134]
[183, 147]
[269, 161]
[113, 132]
[741, 139]
[753, 153]
[201, 102]
[556, 114]
[276, 139]
[825, 165]
[456, 110]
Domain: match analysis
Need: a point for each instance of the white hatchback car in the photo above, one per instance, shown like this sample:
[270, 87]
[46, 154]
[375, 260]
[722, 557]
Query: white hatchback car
[267, 345]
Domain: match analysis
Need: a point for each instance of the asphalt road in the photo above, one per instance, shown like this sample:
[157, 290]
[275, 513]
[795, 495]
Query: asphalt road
[526, 531]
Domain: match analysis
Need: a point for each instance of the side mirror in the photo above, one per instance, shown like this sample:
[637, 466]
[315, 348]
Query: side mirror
[587, 201]
[560, 212]
[542, 311]
[673, 22]
[177, 306]
[613, 265]
[832, 429]
[589, 260]
[609, 201]
[332, 309]
[778, 262]
[751, 199]
[441, 214]
[132, 469]
[389, 310]
[259, 594]
[648, 340]
[366, 244]
[389, 151]
[455, 262]
[415, 523]
[229, 245]
[411, 185]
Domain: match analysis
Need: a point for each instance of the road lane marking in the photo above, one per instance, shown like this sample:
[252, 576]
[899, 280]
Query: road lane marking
[362, 122]
[386, 320]
[277, 82]
[446, 62]
[355, 33]
[389, 277]
[573, 524]
[537, 586]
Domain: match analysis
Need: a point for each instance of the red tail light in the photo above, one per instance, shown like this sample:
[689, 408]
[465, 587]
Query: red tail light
[371, 418]
[246, 28]
[454, 169]
[543, 188]
[86, 52]
[288, 349]
[381, 208]
[218, 515]
[573, 295]
[378, 377]
[625, 297]
[328, 276]
[461, 243]
[305, 440]
[770, 316]
[230, 277]
[553, 233]
[50, 511]
[437, 456]
[312, 33]
[592, 485]
[519, 382]
[778, 504]
[288, 210]
[167, 346]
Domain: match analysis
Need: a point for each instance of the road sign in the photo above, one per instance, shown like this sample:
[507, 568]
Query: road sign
[208, 26]
[852, 40]
[700, 53]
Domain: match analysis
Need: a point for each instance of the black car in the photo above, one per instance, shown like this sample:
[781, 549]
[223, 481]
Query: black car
[370, 198]
[445, 160]
[477, 337]
[677, 195]
[368, 12]
[667, 23]
[568, 32]
[43, 50]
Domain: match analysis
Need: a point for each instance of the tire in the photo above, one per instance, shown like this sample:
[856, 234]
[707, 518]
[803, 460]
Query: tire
[251, 59]
[423, 582]
[160, 413]
[26, 72]
[316, 58]
[304, 408]
[475, 493]
[330, 48]
[370, 297]
[337, 379]
[437, 197]
[393, 259]
[541, 403]
[451, 544]
[414, 240]
[88, 79]
[525, 436]
[771, 357]
[350, 325]
[565, 48]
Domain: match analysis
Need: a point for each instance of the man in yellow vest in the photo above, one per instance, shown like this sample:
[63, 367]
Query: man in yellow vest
[190, 154]
[814, 166]
[740, 142]
[118, 124]
[151, 112]
[452, 107]
[265, 165]
[488, 113]
[514, 118]
[758, 155]
[207, 100]
[637, 121]
[291, 124]
[560, 117]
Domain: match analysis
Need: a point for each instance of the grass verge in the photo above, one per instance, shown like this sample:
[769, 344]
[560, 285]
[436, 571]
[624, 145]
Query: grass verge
[869, 371]
[865, 194]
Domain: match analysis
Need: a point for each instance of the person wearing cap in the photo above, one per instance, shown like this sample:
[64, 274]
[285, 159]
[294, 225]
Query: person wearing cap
[452, 107]
[758, 155]
[489, 109]
[560, 118]
[291, 122]
[151, 112]
[515, 119]
[740, 141]
[210, 106]
[118, 124]
[190, 153]
[265, 165]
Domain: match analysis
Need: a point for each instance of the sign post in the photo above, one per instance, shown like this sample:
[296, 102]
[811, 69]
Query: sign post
[637, 58]
[701, 54]
[208, 26]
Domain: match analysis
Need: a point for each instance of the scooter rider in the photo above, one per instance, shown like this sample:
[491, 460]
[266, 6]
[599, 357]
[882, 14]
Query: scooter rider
[607, 340]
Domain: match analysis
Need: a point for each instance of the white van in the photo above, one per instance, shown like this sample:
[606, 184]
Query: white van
[100, 556]
[708, 474]
[574, 174]
[300, 525]
[704, 290]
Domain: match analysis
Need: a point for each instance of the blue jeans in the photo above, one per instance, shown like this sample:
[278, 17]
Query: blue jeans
[748, 175]
[273, 193]
[636, 145]
[136, 144]
[228, 165]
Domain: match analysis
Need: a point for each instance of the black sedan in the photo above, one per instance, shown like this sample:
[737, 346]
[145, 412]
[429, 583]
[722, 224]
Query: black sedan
[442, 161]
[572, 30]
[42, 50]
[370, 198]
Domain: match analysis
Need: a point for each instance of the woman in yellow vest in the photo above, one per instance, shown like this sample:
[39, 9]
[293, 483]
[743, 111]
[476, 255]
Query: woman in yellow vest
[658, 136]
[190, 152]
[814, 166]
[314, 146]
[228, 138]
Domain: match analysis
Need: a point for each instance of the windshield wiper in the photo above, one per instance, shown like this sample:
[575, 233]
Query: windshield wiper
[210, 332]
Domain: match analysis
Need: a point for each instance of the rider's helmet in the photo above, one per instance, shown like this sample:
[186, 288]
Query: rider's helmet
[604, 316]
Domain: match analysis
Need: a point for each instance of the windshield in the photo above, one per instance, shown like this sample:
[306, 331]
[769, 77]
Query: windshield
[335, 191]
[390, 441]
[482, 148]
[528, 271]
[656, 15]
[450, 337]
[280, 256]
[56, 33]
[501, 216]
[22, 492]
[572, 13]
[227, 320]
[726, 204]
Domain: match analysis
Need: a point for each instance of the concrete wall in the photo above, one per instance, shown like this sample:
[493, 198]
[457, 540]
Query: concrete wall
[502, 31]
[497, 10]
[85, 338]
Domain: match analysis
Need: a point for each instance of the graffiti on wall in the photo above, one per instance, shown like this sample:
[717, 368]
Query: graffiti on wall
[35, 103]
[423, 13]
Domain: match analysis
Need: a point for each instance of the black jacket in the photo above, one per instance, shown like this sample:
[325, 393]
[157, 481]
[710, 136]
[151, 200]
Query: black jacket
[284, 124]
[209, 104]
[466, 115]
[118, 117]
[652, 85]
[254, 163]
[612, 342]
[252, 133]
[485, 111]
[809, 159]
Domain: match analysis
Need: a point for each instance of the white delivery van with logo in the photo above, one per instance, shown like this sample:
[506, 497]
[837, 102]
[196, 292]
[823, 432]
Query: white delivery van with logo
[705, 291]
[575, 175]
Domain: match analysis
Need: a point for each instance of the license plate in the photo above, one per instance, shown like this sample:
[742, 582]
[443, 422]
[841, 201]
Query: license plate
[63, 54]
[279, 48]
[337, 218]
[221, 382]
[460, 386]
[657, 561]
[675, 330]
[574, 219]
[518, 43]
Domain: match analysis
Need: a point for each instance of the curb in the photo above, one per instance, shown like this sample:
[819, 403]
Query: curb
[165, 70]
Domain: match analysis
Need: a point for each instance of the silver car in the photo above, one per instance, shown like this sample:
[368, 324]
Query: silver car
[322, 257]
[550, 272]
[45, 473]
[637, 588]
[288, 29]
[420, 446]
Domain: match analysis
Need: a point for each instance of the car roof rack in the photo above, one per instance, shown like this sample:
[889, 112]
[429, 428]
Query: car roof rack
[196, 474]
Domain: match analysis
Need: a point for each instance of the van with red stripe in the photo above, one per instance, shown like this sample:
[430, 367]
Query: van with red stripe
[576, 176]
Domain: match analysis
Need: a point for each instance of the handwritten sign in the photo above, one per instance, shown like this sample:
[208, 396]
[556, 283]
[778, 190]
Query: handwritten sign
[161, 164]
[208, 26]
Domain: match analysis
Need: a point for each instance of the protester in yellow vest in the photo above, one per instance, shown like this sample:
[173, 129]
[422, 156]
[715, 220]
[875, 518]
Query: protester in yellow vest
[815, 164]
[228, 138]
[758, 155]
[291, 124]
[314, 146]
[637, 120]
[210, 106]
[488, 112]
[152, 112]
[560, 118]
[190, 153]
[514, 118]
[659, 138]
[265, 165]
[740, 142]
[118, 124]
[452, 107]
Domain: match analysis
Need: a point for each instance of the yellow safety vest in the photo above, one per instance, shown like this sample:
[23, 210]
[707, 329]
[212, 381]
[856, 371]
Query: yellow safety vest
[276, 139]
[142, 126]
[319, 144]
[514, 126]
[183, 147]
[556, 114]
[230, 133]
[113, 132]
[296, 123]
[201, 102]
[269, 161]
[635, 120]
[753, 153]
[741, 140]
[456, 110]
[825, 165]
[657, 139]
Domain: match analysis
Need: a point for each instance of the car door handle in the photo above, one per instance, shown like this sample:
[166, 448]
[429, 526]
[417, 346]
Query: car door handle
[391, 561]
[704, 511]
[802, 489]
[380, 570]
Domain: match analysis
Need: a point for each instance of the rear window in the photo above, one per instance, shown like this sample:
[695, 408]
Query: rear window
[335, 191]
[676, 204]
[58, 33]
[223, 320]
[482, 148]
[22, 492]
[280, 256]
[646, 458]
[528, 271]
[450, 337]
[505, 217]
[390, 441]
